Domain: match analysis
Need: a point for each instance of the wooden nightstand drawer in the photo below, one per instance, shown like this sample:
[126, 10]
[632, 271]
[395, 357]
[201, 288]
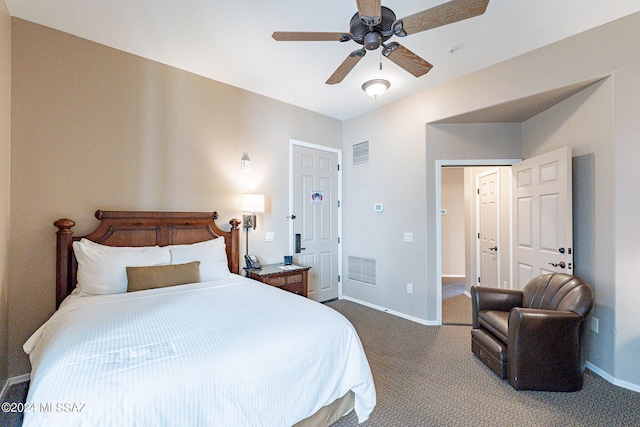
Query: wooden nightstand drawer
[275, 281]
[292, 280]
[296, 288]
[295, 278]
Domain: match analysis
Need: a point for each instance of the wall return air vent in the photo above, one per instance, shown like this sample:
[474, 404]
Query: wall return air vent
[361, 154]
[362, 270]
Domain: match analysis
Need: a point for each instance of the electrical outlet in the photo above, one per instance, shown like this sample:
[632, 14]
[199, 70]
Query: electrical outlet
[595, 323]
[409, 288]
[408, 237]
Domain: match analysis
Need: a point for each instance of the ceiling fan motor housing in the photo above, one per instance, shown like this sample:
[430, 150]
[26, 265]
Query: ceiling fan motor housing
[372, 40]
[372, 37]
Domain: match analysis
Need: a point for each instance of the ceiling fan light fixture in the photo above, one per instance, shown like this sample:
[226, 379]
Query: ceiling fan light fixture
[376, 87]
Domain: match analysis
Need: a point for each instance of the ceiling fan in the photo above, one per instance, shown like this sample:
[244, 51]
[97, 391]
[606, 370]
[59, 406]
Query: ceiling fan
[374, 24]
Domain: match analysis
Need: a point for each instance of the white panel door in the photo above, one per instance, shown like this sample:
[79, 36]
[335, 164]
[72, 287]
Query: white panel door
[542, 214]
[315, 207]
[488, 186]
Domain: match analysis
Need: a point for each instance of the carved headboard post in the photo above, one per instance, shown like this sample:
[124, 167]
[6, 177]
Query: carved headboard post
[64, 240]
[235, 249]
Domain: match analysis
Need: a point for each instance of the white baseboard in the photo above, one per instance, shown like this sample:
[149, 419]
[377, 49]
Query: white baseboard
[13, 381]
[613, 380]
[454, 276]
[395, 313]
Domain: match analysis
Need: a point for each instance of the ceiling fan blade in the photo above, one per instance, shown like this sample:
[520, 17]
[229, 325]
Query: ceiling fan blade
[447, 13]
[406, 59]
[301, 36]
[346, 66]
[370, 11]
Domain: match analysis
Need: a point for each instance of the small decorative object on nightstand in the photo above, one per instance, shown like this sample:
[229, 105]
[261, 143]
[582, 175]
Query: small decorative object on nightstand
[292, 278]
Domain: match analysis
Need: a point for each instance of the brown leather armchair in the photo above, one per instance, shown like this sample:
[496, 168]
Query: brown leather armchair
[534, 337]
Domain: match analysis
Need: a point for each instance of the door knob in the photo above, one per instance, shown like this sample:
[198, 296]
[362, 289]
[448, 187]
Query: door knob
[495, 248]
[561, 264]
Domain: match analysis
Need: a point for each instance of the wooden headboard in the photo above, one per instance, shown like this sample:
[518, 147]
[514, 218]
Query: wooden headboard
[131, 228]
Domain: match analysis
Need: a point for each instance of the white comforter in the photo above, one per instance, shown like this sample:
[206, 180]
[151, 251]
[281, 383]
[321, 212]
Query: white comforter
[227, 353]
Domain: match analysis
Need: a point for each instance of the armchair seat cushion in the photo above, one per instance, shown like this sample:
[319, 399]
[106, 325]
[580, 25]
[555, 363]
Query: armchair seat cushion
[497, 322]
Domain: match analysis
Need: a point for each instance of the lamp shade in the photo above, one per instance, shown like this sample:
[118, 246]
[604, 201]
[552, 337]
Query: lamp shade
[253, 203]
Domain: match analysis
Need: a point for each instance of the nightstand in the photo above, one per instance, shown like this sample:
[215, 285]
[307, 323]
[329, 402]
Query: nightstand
[293, 279]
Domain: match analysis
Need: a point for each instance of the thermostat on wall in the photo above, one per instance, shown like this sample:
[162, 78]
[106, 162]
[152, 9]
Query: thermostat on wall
[378, 207]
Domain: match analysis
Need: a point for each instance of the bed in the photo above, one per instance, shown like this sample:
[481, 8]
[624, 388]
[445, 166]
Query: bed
[187, 341]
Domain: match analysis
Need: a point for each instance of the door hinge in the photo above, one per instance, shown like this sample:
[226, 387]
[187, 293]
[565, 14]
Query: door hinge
[338, 278]
[338, 203]
[338, 240]
[338, 166]
[478, 279]
[478, 191]
[478, 235]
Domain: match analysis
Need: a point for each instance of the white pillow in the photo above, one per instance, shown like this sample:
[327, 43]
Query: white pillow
[211, 254]
[103, 269]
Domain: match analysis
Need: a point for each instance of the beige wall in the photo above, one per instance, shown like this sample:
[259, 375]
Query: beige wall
[468, 143]
[600, 123]
[585, 122]
[94, 128]
[402, 175]
[5, 180]
[453, 237]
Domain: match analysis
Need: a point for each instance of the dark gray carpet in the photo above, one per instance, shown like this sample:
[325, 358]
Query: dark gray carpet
[427, 376]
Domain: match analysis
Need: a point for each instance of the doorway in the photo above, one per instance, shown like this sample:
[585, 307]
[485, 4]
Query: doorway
[540, 238]
[455, 299]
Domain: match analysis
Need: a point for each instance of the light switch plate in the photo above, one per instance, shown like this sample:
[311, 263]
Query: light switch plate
[408, 237]
[271, 236]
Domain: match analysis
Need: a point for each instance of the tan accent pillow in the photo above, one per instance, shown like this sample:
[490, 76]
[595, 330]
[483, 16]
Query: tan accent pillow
[160, 276]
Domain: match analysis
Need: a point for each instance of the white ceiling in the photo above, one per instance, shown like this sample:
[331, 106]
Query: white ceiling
[230, 41]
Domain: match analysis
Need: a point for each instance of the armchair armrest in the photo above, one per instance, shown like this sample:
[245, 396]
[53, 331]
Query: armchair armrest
[542, 344]
[484, 298]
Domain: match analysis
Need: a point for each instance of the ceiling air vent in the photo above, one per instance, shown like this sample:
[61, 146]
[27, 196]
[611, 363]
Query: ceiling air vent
[361, 154]
[362, 269]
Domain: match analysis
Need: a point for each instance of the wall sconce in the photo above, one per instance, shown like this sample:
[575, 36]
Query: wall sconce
[253, 203]
[245, 163]
[375, 88]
